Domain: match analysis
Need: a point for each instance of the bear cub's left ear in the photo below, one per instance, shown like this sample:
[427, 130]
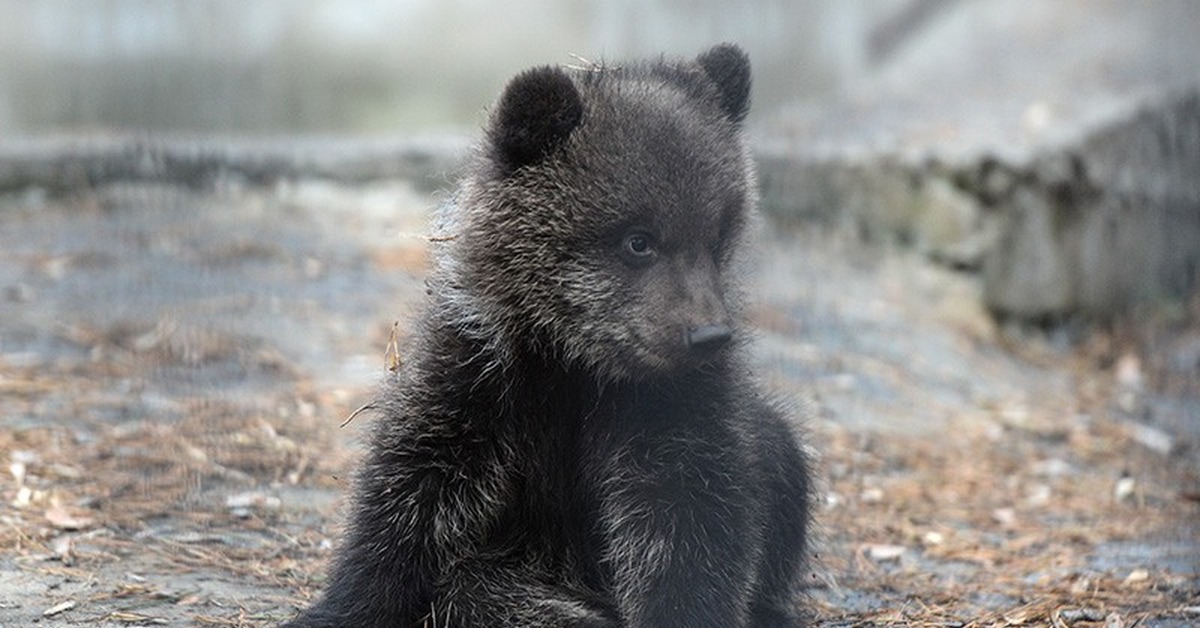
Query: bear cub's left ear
[729, 68]
[537, 112]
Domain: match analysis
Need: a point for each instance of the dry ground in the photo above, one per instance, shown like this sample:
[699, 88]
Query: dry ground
[174, 368]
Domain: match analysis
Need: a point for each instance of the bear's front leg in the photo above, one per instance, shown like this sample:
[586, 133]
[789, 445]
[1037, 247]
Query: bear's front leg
[681, 530]
[787, 495]
[423, 500]
[494, 590]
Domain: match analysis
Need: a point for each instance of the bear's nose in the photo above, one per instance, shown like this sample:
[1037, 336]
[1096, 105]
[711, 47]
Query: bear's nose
[708, 336]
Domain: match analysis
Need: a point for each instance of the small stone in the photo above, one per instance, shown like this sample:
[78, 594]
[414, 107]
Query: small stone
[67, 518]
[1136, 576]
[241, 504]
[1039, 495]
[1052, 468]
[1129, 371]
[17, 469]
[24, 497]
[1153, 439]
[885, 553]
[1124, 488]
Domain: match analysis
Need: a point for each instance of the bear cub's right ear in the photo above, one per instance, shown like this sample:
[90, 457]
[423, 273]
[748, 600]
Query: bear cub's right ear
[536, 114]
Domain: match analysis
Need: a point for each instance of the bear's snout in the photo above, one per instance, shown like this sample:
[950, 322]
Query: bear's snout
[708, 337]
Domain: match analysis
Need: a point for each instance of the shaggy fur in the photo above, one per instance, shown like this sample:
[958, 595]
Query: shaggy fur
[574, 439]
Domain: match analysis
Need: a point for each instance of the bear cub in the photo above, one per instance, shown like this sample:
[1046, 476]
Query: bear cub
[574, 438]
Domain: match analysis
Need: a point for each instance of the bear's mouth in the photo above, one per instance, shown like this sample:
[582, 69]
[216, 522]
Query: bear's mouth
[684, 350]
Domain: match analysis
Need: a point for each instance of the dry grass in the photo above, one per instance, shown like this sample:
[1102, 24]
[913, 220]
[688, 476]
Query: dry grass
[990, 524]
[998, 522]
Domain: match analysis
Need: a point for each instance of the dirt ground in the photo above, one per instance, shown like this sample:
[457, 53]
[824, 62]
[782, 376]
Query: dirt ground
[175, 367]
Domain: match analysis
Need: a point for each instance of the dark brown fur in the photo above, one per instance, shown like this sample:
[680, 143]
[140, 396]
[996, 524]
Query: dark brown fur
[574, 439]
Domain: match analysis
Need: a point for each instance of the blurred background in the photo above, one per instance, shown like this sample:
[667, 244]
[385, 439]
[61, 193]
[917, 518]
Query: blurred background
[375, 65]
[286, 66]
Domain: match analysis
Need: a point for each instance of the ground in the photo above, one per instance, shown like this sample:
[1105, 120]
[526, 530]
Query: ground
[176, 368]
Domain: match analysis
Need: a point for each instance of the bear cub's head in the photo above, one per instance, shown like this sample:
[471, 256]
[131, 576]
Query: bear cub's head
[601, 220]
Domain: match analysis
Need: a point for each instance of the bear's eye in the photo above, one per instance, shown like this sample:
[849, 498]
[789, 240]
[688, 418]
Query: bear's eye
[638, 247]
[638, 244]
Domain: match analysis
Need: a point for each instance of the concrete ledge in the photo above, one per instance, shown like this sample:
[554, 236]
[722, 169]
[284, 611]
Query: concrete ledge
[1090, 226]
[1087, 227]
[63, 164]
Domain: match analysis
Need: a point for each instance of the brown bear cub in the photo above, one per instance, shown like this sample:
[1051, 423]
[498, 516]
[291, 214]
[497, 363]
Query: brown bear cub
[574, 438]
